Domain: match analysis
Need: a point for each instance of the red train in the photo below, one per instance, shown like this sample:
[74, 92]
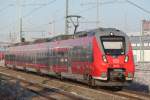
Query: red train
[99, 57]
[1, 55]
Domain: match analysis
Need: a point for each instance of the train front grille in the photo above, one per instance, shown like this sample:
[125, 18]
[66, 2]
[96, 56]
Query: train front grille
[116, 75]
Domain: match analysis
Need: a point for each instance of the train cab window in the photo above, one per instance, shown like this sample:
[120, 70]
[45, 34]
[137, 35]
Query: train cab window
[113, 45]
[50, 53]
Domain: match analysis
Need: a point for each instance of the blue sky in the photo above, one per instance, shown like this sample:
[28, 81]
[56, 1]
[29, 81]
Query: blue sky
[38, 14]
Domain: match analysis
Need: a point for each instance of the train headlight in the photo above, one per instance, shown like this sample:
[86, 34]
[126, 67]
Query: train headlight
[66, 60]
[104, 74]
[126, 59]
[61, 60]
[111, 33]
[130, 75]
[104, 58]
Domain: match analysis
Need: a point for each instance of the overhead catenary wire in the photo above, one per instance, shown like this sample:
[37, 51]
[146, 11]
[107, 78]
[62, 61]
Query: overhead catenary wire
[37, 8]
[40, 6]
[46, 4]
[137, 6]
[96, 5]
[4, 8]
[103, 3]
[54, 16]
[141, 41]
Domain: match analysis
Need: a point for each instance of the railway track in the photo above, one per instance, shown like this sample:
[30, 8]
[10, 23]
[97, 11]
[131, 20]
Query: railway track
[135, 95]
[44, 91]
[63, 89]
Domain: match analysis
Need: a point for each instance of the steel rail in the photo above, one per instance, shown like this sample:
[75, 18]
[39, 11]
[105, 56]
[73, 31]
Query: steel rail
[33, 84]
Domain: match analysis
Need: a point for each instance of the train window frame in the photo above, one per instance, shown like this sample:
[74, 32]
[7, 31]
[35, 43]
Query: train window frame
[114, 36]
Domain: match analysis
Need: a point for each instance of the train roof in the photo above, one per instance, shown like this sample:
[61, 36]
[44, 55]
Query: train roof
[92, 32]
[43, 40]
[100, 31]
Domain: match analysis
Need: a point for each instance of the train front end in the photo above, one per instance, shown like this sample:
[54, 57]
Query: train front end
[113, 58]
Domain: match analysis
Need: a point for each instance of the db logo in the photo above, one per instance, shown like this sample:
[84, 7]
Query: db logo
[116, 61]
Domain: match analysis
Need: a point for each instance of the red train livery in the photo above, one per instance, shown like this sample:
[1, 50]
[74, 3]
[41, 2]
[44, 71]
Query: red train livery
[99, 57]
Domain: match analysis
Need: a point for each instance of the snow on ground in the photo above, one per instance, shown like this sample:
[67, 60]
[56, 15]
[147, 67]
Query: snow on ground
[142, 78]
[11, 91]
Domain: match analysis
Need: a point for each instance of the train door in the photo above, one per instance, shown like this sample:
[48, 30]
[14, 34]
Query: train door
[59, 60]
[42, 61]
[81, 59]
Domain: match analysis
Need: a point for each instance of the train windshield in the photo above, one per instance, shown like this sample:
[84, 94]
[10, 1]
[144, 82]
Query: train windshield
[113, 45]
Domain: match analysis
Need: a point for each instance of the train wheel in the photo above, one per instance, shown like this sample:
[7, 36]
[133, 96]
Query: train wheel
[85, 77]
[24, 69]
[118, 88]
[59, 76]
[91, 82]
[39, 72]
[7, 66]
[14, 67]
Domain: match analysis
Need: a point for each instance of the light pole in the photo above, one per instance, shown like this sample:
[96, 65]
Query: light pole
[19, 19]
[66, 15]
[76, 25]
[97, 13]
[52, 27]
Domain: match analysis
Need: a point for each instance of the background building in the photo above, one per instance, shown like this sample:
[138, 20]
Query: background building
[141, 48]
[140, 42]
